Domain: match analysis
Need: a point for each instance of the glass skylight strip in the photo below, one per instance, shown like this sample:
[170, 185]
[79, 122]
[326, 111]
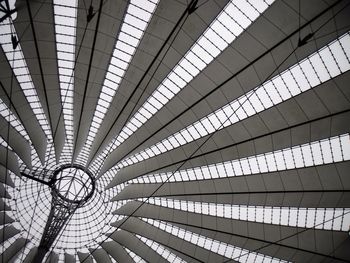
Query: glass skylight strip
[329, 62]
[65, 17]
[136, 258]
[331, 150]
[21, 71]
[161, 250]
[218, 247]
[4, 143]
[136, 20]
[335, 218]
[230, 23]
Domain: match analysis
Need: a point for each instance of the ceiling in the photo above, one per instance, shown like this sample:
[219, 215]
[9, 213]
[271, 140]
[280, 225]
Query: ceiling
[214, 131]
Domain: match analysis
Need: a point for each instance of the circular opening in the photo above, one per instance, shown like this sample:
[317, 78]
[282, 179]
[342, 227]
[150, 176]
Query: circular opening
[73, 184]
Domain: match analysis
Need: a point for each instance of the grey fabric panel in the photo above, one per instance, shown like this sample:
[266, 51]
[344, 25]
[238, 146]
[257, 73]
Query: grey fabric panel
[11, 161]
[68, 258]
[303, 187]
[134, 244]
[100, 255]
[117, 251]
[164, 19]
[102, 54]
[30, 257]
[15, 140]
[21, 108]
[85, 257]
[4, 177]
[309, 241]
[12, 250]
[4, 206]
[3, 192]
[178, 246]
[46, 78]
[171, 160]
[52, 257]
[5, 218]
[8, 232]
[247, 80]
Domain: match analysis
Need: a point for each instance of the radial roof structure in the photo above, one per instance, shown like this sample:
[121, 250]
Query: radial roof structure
[174, 131]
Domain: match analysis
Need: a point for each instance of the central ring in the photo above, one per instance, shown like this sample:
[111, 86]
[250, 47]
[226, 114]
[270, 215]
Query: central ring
[73, 184]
